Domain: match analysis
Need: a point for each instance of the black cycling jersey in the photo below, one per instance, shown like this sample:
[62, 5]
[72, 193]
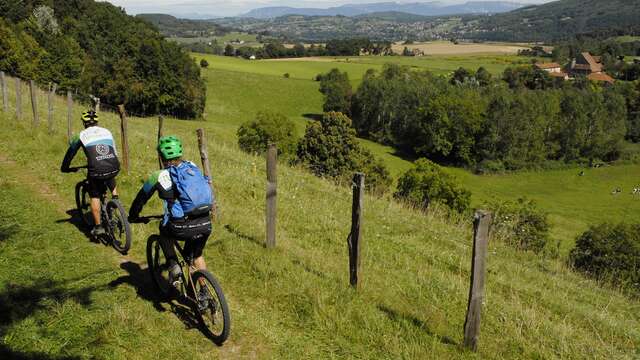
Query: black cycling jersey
[100, 149]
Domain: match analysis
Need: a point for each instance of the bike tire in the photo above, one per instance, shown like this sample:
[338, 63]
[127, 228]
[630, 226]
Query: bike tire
[119, 228]
[82, 202]
[219, 307]
[158, 268]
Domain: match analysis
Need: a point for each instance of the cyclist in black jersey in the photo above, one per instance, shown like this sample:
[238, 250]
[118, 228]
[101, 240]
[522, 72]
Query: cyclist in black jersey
[102, 163]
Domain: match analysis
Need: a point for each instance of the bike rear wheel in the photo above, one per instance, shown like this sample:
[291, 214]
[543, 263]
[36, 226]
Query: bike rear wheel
[215, 318]
[158, 267]
[119, 228]
[83, 203]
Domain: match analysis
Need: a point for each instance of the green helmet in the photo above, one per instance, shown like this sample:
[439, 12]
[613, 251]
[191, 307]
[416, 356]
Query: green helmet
[170, 147]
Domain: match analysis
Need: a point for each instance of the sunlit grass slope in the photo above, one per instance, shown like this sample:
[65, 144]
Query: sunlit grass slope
[292, 302]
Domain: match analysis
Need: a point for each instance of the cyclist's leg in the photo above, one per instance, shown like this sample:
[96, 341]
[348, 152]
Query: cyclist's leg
[113, 186]
[166, 242]
[195, 247]
[95, 189]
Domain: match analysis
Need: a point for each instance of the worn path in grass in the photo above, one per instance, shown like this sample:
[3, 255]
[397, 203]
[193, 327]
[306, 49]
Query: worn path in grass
[66, 297]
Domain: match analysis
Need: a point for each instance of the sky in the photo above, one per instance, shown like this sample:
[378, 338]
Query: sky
[204, 8]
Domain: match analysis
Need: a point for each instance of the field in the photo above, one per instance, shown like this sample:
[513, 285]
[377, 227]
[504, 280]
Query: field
[449, 48]
[249, 39]
[238, 89]
[64, 297]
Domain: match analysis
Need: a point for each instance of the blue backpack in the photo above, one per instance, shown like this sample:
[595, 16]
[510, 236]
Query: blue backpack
[194, 196]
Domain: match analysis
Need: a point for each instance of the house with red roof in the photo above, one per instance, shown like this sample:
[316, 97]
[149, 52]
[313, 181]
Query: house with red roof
[591, 67]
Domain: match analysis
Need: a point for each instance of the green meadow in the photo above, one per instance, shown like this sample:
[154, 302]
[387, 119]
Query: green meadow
[238, 88]
[63, 297]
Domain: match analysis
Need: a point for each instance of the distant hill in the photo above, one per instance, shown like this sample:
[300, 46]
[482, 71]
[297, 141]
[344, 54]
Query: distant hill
[170, 26]
[424, 9]
[562, 20]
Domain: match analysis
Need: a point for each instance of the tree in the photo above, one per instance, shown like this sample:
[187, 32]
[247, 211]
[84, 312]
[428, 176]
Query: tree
[610, 252]
[330, 148]
[229, 50]
[204, 63]
[336, 88]
[427, 183]
[483, 77]
[268, 127]
[461, 76]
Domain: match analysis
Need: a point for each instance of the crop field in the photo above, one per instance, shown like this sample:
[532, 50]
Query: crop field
[62, 296]
[449, 48]
[308, 68]
[250, 40]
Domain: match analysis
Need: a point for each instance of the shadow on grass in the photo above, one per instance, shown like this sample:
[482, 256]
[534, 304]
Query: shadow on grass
[140, 280]
[19, 302]
[75, 219]
[309, 269]
[316, 117]
[8, 231]
[238, 233]
[414, 321]
[7, 353]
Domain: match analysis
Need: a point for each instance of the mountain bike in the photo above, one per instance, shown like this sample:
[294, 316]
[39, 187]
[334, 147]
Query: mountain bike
[213, 316]
[112, 214]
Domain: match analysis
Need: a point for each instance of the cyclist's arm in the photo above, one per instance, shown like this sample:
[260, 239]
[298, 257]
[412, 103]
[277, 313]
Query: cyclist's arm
[145, 193]
[74, 146]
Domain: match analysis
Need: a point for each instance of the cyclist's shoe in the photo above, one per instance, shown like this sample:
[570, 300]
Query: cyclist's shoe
[204, 298]
[175, 278]
[98, 231]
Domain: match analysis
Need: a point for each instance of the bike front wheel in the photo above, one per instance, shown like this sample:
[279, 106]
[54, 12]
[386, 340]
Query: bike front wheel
[215, 317]
[119, 227]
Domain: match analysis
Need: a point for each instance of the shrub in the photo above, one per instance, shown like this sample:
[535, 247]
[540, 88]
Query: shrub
[204, 63]
[287, 75]
[610, 252]
[522, 224]
[254, 136]
[427, 183]
[330, 148]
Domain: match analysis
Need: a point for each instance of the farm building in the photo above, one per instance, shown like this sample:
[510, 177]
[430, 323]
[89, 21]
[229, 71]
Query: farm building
[554, 69]
[591, 67]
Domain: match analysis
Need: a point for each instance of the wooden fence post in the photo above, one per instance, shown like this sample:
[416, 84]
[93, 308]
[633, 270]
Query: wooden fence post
[481, 226]
[69, 114]
[204, 157]
[18, 99]
[125, 141]
[5, 98]
[272, 192]
[354, 239]
[160, 124]
[52, 93]
[34, 103]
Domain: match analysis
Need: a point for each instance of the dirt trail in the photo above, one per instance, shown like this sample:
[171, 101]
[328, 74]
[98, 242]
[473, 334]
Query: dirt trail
[28, 178]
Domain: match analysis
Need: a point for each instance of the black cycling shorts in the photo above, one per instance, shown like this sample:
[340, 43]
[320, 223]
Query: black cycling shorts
[195, 233]
[97, 187]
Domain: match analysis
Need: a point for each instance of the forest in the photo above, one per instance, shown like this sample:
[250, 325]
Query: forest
[524, 120]
[96, 48]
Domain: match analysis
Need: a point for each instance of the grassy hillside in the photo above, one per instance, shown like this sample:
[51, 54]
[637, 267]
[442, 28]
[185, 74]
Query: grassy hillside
[561, 20]
[293, 302]
[238, 89]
